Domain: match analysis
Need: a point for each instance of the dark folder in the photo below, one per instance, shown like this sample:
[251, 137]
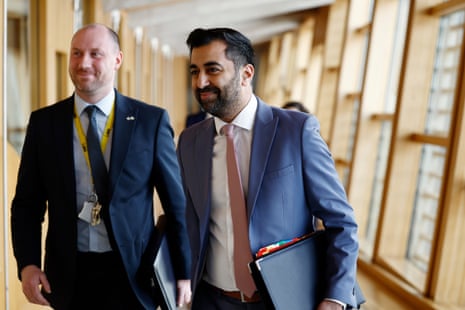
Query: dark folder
[291, 276]
[156, 272]
[164, 274]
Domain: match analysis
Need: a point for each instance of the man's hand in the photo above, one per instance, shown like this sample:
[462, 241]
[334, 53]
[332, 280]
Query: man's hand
[32, 280]
[329, 305]
[184, 292]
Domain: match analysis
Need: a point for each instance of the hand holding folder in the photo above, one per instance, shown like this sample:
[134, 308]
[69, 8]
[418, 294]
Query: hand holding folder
[289, 275]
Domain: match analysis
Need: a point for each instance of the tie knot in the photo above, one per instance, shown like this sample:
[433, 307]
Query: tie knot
[228, 129]
[91, 110]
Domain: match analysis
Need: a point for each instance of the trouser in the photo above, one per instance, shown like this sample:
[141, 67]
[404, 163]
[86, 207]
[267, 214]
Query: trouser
[208, 297]
[102, 283]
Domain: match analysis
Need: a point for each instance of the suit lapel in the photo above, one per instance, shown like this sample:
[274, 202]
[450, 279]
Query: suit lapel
[202, 150]
[63, 129]
[263, 136]
[63, 125]
[125, 119]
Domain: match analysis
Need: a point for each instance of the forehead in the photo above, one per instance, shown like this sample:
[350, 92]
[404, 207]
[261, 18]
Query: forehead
[215, 51]
[92, 38]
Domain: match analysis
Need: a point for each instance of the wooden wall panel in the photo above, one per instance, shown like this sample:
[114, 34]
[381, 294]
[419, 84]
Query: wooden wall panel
[53, 20]
[126, 80]
[373, 101]
[334, 41]
[2, 218]
[181, 79]
[410, 118]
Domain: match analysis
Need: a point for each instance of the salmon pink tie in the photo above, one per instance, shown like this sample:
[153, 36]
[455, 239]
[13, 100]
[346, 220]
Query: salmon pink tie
[242, 253]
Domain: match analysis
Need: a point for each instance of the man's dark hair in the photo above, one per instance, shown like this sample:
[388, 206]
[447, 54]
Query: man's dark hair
[238, 47]
[296, 105]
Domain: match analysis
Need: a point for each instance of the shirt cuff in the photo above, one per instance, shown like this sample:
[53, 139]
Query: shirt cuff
[343, 305]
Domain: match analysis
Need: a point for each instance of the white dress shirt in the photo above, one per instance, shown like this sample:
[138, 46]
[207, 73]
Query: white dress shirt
[90, 238]
[219, 270]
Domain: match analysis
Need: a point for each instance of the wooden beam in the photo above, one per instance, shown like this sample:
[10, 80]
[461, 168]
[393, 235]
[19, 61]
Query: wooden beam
[446, 7]
[200, 12]
[382, 117]
[429, 139]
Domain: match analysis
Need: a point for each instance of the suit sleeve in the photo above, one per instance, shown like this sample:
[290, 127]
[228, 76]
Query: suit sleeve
[170, 190]
[29, 203]
[328, 201]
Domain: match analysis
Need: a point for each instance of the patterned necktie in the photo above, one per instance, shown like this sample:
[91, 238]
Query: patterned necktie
[242, 253]
[97, 163]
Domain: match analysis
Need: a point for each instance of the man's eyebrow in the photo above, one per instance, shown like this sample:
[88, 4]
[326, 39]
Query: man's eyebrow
[212, 63]
[95, 49]
[207, 64]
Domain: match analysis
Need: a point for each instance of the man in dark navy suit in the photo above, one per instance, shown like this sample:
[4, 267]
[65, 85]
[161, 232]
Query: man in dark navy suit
[95, 242]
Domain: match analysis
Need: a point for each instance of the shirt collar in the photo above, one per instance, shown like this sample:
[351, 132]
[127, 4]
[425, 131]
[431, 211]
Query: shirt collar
[245, 119]
[105, 105]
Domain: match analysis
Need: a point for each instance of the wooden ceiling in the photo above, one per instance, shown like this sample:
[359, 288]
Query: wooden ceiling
[168, 22]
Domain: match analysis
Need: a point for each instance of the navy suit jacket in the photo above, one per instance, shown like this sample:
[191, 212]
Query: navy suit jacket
[292, 178]
[143, 157]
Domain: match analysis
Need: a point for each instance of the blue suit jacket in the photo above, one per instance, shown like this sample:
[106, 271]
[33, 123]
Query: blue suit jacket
[292, 177]
[143, 156]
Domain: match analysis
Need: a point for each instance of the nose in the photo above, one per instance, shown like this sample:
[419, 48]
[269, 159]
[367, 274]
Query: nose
[85, 61]
[200, 80]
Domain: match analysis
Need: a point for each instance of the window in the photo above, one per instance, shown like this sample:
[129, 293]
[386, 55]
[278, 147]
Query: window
[18, 72]
[383, 115]
[433, 158]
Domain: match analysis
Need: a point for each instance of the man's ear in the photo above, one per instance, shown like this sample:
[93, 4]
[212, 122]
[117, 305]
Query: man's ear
[247, 74]
[119, 60]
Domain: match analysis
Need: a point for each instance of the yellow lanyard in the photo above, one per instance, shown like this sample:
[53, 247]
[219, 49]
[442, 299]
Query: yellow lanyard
[82, 136]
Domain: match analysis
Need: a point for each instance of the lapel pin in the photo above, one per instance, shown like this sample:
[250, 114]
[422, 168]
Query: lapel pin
[130, 118]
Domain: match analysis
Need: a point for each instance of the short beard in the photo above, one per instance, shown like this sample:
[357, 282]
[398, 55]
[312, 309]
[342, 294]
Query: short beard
[227, 103]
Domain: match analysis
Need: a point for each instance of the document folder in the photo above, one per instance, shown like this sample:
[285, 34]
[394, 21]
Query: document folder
[164, 275]
[291, 276]
[156, 272]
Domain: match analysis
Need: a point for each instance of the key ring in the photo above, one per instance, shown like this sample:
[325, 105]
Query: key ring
[93, 198]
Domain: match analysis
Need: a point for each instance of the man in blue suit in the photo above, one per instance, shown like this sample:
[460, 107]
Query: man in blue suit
[287, 174]
[93, 259]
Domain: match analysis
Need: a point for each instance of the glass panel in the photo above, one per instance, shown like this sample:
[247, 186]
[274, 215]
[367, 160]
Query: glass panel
[78, 14]
[390, 105]
[445, 74]
[18, 86]
[378, 182]
[426, 205]
[356, 102]
[438, 122]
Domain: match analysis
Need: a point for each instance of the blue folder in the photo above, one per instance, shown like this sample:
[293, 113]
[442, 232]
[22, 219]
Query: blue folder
[292, 277]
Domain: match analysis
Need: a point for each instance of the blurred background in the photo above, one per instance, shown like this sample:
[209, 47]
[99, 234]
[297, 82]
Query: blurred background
[384, 77]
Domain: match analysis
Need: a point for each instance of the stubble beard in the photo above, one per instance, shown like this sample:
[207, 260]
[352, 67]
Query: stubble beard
[87, 86]
[227, 101]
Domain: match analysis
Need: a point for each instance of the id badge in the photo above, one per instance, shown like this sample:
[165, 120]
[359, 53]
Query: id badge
[86, 212]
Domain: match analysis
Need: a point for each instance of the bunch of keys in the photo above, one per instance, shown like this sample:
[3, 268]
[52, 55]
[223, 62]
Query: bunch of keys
[95, 213]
